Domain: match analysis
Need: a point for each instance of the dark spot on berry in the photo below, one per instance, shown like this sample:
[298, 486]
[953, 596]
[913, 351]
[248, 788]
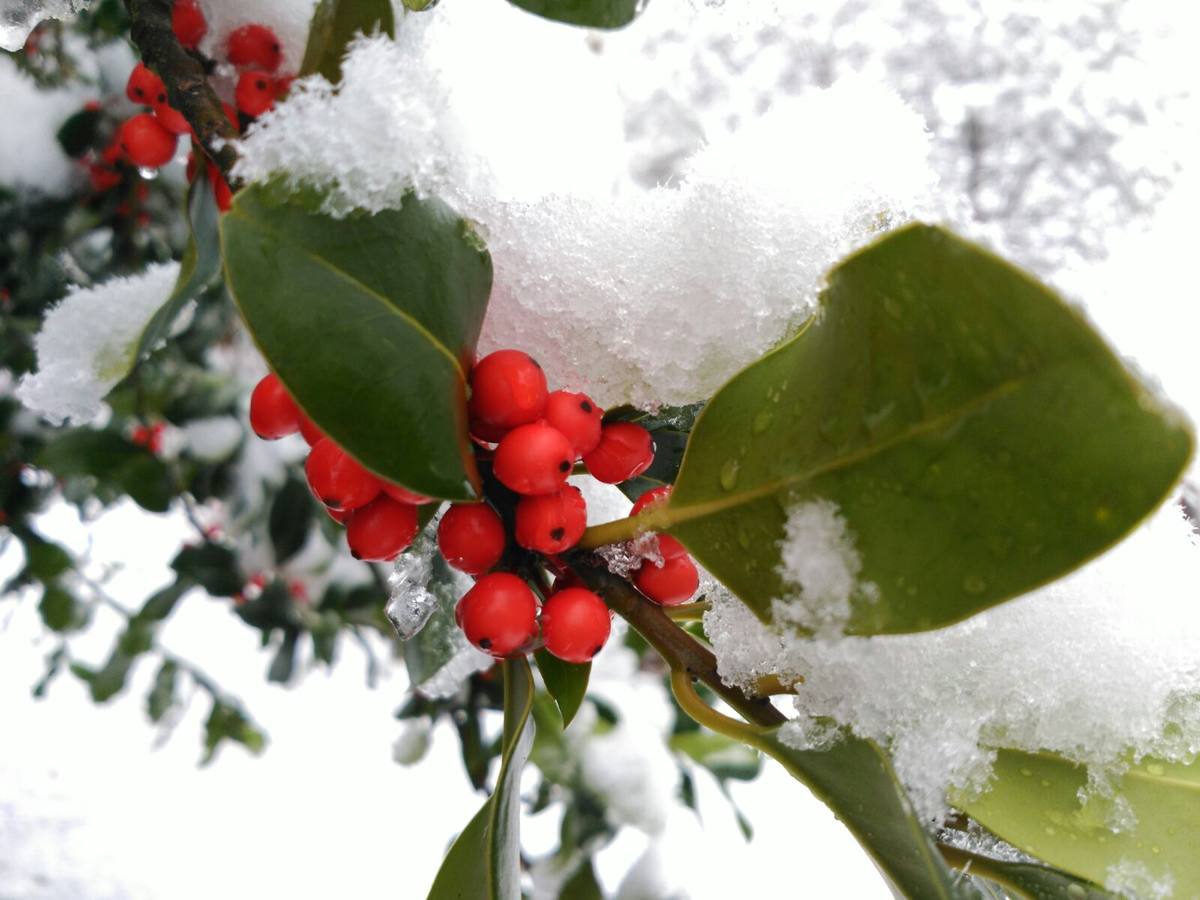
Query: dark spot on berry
[485, 643]
[138, 92]
[332, 502]
[276, 48]
[162, 98]
[585, 406]
[557, 534]
[260, 84]
[564, 466]
[354, 553]
[532, 360]
[597, 650]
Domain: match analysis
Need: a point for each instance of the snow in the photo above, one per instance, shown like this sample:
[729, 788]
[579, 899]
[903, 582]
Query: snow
[569, 234]
[1134, 880]
[87, 343]
[19, 17]
[31, 160]
[289, 19]
[213, 439]
[1090, 667]
[818, 557]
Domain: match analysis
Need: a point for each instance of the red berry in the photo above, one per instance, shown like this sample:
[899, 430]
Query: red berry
[255, 45]
[283, 86]
[404, 495]
[171, 119]
[273, 412]
[672, 583]
[533, 459]
[222, 194]
[337, 479]
[471, 537]
[146, 142]
[341, 516]
[103, 178]
[625, 451]
[232, 115]
[381, 530]
[499, 614]
[652, 497]
[255, 92]
[551, 523]
[309, 431]
[149, 437]
[508, 388]
[575, 624]
[577, 417]
[187, 21]
[144, 87]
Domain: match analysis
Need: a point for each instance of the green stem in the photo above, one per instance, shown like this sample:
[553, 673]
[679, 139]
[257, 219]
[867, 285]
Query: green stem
[186, 80]
[653, 519]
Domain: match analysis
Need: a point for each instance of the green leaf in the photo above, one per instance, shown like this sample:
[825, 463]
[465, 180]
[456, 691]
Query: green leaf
[334, 24]
[284, 662]
[60, 610]
[588, 13]
[977, 436]
[211, 566]
[198, 269]
[1033, 802]
[77, 134]
[227, 722]
[566, 683]
[290, 519]
[109, 680]
[370, 321]
[116, 463]
[583, 885]
[1027, 880]
[484, 862]
[855, 779]
[723, 756]
[162, 695]
[45, 560]
[162, 603]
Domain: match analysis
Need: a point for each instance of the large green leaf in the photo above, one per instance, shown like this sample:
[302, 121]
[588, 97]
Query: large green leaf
[588, 13]
[371, 321]
[334, 24]
[977, 436]
[855, 779]
[484, 861]
[1033, 802]
[198, 269]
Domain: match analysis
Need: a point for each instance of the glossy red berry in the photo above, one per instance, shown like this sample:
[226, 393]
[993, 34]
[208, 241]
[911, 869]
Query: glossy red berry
[508, 388]
[144, 87]
[187, 21]
[145, 142]
[273, 412]
[471, 537]
[103, 178]
[533, 459]
[337, 479]
[309, 431]
[222, 194]
[551, 523]
[625, 451]
[577, 417]
[404, 495]
[255, 45]
[499, 614]
[171, 118]
[575, 624]
[255, 92]
[652, 497]
[381, 530]
[672, 583]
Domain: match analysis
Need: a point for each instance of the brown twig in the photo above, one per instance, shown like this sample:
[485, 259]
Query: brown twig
[188, 89]
[674, 644]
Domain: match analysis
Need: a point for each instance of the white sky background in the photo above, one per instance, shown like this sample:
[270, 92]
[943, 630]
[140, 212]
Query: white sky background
[89, 808]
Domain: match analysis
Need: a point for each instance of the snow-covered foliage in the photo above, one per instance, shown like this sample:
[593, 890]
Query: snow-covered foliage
[589, 261]
[19, 17]
[31, 159]
[87, 342]
[1092, 667]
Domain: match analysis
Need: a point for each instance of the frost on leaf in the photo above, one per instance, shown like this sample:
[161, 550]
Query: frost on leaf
[31, 158]
[88, 343]
[19, 17]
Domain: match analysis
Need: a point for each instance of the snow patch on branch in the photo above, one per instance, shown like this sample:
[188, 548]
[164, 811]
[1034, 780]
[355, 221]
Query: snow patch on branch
[88, 341]
[31, 160]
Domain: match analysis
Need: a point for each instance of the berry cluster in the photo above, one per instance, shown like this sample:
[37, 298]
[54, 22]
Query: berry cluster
[530, 440]
[148, 140]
